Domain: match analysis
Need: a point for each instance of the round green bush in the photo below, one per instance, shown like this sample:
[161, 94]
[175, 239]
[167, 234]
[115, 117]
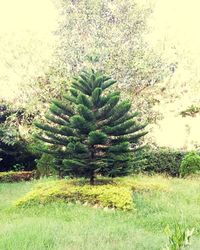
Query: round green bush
[190, 164]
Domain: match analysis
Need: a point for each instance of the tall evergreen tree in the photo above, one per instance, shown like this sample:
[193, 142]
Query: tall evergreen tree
[91, 131]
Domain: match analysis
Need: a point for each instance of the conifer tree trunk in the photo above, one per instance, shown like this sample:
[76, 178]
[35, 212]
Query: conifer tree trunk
[92, 178]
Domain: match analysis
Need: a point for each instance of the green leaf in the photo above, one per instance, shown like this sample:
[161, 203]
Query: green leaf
[79, 123]
[56, 120]
[96, 95]
[97, 137]
[64, 108]
[106, 111]
[84, 100]
[86, 113]
[108, 84]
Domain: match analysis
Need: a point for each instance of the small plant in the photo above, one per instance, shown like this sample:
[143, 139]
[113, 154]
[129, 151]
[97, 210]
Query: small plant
[45, 165]
[191, 111]
[18, 167]
[190, 164]
[179, 238]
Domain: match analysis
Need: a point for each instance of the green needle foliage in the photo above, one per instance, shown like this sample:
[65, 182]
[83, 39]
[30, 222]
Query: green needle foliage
[91, 131]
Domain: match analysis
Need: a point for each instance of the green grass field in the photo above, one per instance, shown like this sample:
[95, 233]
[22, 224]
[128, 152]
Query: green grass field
[60, 226]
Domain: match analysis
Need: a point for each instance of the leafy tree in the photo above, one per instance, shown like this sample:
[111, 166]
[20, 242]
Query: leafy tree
[113, 40]
[14, 151]
[91, 131]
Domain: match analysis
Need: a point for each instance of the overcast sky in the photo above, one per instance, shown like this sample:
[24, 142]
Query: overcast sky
[178, 20]
[26, 41]
[37, 15]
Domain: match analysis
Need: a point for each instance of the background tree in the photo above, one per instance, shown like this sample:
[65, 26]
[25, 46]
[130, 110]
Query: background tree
[91, 131]
[14, 151]
[108, 35]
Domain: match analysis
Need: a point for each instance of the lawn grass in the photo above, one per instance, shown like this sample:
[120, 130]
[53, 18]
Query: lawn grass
[61, 226]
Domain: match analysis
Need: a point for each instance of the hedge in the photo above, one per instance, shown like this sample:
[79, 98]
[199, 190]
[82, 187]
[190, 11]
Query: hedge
[16, 176]
[162, 160]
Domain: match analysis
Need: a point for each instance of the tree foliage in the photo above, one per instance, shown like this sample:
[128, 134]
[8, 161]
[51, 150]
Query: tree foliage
[190, 164]
[91, 131]
[108, 35]
[14, 151]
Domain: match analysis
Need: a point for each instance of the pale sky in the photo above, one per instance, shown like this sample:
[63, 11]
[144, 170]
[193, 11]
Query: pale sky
[34, 15]
[26, 41]
[177, 22]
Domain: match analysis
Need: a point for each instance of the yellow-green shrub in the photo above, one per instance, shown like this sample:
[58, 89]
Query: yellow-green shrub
[114, 193]
[110, 196]
[142, 185]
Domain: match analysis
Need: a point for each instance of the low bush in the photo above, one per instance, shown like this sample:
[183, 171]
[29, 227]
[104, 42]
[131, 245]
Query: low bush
[16, 176]
[116, 194]
[45, 165]
[190, 164]
[141, 185]
[101, 195]
[162, 160]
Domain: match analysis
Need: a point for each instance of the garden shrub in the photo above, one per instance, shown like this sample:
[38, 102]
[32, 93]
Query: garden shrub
[162, 160]
[115, 193]
[16, 176]
[142, 185]
[110, 196]
[135, 184]
[45, 165]
[190, 164]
